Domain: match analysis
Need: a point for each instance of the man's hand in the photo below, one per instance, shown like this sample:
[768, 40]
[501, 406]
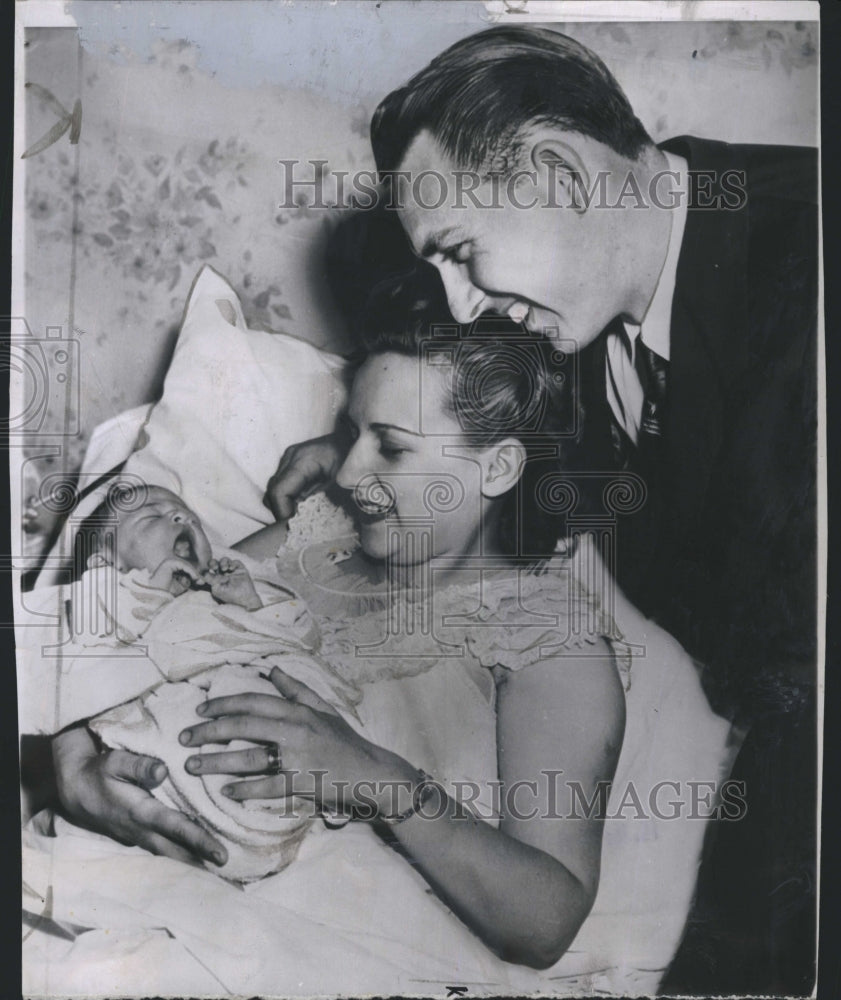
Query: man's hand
[231, 583]
[108, 792]
[303, 469]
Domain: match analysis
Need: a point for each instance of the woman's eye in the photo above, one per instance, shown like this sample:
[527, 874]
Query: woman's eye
[390, 450]
[458, 254]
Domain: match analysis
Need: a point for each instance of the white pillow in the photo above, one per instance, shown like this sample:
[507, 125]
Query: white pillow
[234, 399]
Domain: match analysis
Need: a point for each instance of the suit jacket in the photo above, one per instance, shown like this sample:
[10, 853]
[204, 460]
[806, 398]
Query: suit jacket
[723, 553]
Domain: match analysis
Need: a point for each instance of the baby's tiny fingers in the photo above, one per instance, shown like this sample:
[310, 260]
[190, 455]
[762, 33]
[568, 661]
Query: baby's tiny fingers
[177, 565]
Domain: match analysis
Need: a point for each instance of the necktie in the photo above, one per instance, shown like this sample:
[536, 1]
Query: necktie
[653, 371]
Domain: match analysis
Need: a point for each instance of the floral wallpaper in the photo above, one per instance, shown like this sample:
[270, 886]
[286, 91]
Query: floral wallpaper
[116, 226]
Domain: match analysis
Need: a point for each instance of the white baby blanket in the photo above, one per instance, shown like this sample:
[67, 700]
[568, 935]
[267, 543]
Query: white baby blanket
[148, 659]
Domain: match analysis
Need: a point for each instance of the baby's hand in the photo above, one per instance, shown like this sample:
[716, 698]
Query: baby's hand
[231, 583]
[175, 575]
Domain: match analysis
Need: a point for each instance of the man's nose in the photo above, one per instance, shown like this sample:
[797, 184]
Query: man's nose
[465, 300]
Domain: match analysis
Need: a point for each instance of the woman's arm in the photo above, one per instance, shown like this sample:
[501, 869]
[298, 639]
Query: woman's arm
[263, 544]
[303, 469]
[524, 888]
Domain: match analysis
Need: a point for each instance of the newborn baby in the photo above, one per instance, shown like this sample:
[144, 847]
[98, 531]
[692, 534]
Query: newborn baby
[211, 629]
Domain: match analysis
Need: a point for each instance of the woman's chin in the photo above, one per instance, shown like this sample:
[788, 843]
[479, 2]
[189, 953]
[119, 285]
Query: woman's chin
[373, 539]
[381, 541]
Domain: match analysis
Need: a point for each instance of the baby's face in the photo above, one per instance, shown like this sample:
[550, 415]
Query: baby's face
[163, 528]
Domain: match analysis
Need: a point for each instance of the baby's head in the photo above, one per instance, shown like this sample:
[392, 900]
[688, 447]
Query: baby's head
[161, 527]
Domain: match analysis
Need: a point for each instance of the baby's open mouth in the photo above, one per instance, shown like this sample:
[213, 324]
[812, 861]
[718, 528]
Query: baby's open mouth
[183, 547]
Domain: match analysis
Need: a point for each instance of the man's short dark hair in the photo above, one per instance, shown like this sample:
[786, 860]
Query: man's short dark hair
[478, 97]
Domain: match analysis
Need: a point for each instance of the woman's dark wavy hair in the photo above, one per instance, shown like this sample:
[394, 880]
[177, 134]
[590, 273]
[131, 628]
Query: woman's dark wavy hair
[479, 96]
[502, 381]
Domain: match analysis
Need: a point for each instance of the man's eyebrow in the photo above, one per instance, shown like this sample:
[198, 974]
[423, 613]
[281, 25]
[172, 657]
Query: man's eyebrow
[395, 427]
[432, 243]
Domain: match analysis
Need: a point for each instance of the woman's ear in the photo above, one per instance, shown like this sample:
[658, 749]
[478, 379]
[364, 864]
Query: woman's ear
[561, 174]
[502, 466]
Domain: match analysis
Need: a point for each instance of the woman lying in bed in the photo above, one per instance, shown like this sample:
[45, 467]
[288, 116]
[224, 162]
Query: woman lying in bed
[485, 838]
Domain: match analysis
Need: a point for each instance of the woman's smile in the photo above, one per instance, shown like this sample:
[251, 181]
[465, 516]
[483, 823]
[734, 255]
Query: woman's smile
[374, 500]
[408, 449]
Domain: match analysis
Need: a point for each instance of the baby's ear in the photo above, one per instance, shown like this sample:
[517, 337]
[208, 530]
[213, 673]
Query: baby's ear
[97, 559]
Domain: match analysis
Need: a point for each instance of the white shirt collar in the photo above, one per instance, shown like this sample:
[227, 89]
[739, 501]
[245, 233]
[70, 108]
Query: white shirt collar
[657, 322]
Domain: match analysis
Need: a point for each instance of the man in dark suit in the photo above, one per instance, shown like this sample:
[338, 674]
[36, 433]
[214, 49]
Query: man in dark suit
[723, 554]
[686, 277]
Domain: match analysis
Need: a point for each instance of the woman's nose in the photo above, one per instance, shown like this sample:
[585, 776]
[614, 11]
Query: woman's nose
[465, 300]
[350, 472]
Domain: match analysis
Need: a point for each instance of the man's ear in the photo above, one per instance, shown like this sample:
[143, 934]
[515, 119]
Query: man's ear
[502, 466]
[561, 173]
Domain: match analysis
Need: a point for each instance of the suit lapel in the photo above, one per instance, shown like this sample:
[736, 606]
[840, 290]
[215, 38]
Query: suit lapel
[708, 331]
[708, 355]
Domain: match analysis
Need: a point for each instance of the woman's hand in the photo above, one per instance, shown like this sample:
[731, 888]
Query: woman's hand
[303, 469]
[321, 756]
[109, 792]
[525, 887]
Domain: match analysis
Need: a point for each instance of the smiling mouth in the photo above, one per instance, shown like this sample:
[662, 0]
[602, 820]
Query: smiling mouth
[374, 500]
[369, 513]
[525, 316]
